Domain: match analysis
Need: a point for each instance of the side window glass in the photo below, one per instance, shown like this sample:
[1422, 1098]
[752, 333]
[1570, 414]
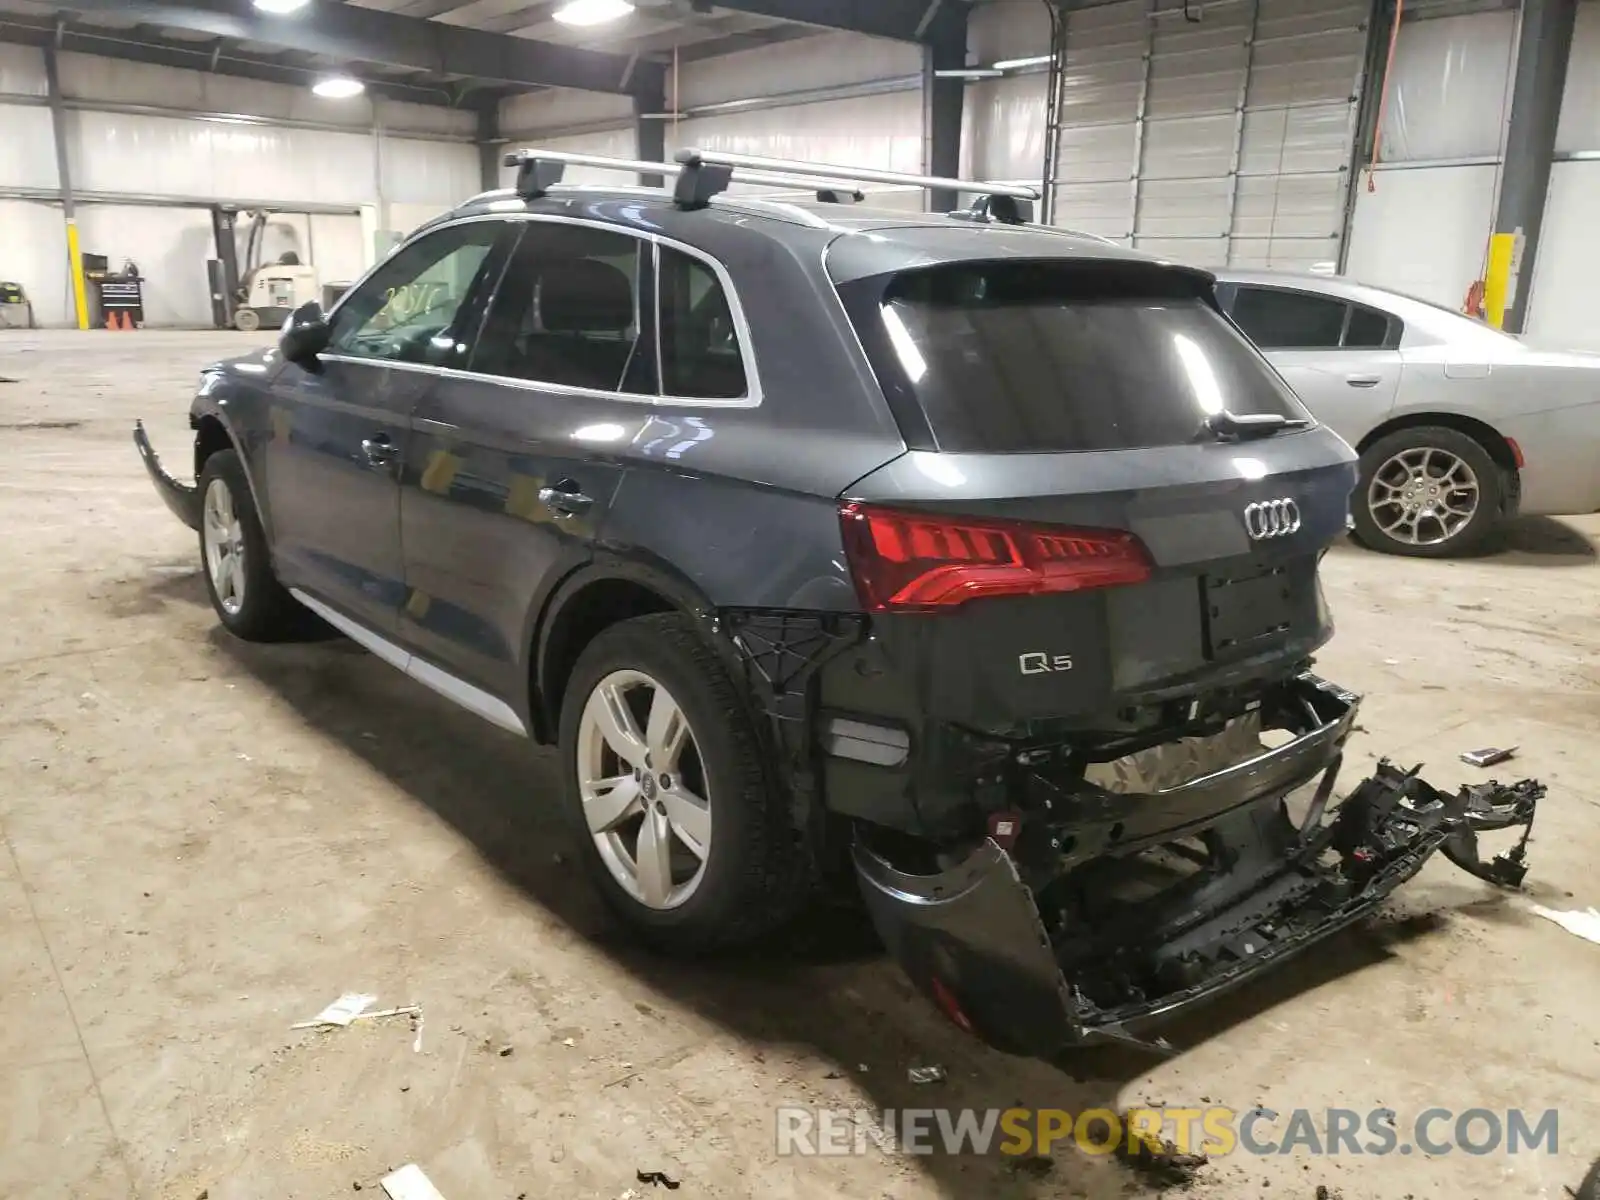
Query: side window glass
[1369, 329]
[567, 312]
[406, 310]
[700, 352]
[1283, 320]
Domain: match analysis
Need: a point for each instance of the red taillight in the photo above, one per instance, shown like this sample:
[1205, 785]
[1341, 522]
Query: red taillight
[905, 560]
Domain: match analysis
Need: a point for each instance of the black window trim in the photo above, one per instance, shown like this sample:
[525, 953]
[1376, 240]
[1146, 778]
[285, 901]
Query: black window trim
[753, 392]
[1391, 338]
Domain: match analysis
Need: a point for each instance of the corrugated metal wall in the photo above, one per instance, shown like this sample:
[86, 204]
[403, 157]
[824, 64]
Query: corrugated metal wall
[158, 155]
[1221, 140]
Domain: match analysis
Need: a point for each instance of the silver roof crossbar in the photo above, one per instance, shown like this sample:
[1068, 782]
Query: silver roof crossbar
[540, 170]
[739, 163]
[701, 174]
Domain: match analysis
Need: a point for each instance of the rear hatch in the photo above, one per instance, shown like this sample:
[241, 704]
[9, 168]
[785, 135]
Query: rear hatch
[1110, 499]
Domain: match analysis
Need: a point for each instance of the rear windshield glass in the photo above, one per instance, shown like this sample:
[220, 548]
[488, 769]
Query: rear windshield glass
[1051, 357]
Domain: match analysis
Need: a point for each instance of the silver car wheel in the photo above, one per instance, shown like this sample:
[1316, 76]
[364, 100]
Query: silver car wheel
[1424, 496]
[223, 539]
[644, 790]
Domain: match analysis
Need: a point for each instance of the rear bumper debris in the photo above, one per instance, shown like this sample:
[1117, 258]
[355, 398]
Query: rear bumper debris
[1036, 966]
[182, 498]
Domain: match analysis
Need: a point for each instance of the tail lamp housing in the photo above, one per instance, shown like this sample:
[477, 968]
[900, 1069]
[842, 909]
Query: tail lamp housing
[927, 562]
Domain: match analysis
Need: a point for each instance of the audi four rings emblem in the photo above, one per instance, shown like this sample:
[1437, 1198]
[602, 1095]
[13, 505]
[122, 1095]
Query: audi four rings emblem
[1271, 518]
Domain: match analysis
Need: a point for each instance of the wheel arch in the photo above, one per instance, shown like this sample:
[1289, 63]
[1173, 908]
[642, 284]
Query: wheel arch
[213, 431]
[590, 600]
[1485, 434]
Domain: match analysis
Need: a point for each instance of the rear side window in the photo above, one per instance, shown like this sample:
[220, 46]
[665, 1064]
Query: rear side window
[1056, 357]
[567, 312]
[700, 354]
[1282, 320]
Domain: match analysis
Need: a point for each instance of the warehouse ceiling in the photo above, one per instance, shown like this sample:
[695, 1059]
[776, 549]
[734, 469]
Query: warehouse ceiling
[451, 51]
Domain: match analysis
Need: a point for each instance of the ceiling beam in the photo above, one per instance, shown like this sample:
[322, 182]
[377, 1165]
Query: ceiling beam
[350, 33]
[212, 57]
[901, 20]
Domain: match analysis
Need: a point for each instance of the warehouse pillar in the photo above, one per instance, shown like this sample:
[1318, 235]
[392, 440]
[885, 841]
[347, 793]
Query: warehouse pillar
[942, 100]
[58, 122]
[1543, 49]
[489, 143]
[650, 129]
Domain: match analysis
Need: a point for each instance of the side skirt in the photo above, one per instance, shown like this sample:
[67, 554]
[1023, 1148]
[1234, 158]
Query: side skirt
[474, 699]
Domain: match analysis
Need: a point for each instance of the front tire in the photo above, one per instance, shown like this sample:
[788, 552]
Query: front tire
[247, 597]
[677, 815]
[1427, 492]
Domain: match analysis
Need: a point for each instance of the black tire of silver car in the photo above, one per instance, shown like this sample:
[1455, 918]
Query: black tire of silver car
[247, 597]
[710, 787]
[1427, 492]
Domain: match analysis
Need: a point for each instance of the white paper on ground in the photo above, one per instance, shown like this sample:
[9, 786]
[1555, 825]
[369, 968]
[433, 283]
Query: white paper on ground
[409, 1183]
[1583, 922]
[345, 1009]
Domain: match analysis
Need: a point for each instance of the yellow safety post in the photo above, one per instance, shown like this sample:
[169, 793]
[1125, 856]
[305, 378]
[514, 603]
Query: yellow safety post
[80, 296]
[1497, 278]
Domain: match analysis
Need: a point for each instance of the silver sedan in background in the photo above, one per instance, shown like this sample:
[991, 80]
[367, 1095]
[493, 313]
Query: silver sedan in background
[1458, 425]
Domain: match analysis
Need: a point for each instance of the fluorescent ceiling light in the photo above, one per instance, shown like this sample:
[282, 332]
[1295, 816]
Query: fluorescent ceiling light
[338, 87]
[970, 73]
[593, 12]
[281, 7]
[1011, 64]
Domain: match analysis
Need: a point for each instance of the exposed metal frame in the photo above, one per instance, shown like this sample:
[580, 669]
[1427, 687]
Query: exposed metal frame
[1141, 120]
[44, 195]
[1055, 104]
[216, 57]
[899, 20]
[350, 33]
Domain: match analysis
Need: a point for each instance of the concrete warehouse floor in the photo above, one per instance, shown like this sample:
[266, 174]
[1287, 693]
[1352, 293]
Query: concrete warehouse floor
[207, 841]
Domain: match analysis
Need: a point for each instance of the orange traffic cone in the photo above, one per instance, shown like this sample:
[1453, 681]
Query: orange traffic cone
[111, 319]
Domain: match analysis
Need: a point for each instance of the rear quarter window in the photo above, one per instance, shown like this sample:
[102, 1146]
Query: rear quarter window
[1058, 356]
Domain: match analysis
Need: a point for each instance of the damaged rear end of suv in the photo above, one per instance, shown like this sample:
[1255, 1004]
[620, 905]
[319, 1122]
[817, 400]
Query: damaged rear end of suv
[1091, 773]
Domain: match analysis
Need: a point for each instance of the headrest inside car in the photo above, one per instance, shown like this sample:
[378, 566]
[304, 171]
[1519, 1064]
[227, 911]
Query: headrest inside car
[585, 296]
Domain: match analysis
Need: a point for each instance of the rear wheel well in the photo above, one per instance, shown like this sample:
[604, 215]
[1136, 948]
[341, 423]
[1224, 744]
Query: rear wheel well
[595, 607]
[1486, 435]
[210, 435]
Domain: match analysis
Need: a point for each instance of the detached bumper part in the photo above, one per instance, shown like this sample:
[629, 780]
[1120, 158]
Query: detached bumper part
[182, 498]
[1033, 971]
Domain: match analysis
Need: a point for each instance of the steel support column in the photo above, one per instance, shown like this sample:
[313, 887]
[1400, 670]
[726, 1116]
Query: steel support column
[1543, 49]
[942, 104]
[489, 145]
[650, 135]
[58, 123]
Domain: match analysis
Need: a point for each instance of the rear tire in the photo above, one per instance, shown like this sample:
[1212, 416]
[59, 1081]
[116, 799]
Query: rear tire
[1427, 492]
[247, 597]
[715, 792]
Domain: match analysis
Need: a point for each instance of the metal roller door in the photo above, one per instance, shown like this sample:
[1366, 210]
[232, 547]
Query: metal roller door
[1222, 139]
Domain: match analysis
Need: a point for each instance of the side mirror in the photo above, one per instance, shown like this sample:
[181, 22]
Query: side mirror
[305, 334]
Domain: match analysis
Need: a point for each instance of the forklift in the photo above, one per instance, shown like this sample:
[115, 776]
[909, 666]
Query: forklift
[259, 293]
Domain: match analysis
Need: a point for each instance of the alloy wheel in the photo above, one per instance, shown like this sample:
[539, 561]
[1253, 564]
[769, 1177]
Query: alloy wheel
[1423, 496]
[644, 789]
[223, 539]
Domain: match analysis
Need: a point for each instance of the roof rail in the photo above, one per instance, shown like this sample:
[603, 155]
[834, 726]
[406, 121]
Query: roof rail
[540, 170]
[708, 172]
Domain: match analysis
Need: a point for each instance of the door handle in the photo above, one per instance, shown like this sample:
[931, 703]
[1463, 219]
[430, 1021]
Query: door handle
[380, 451]
[1363, 381]
[564, 499]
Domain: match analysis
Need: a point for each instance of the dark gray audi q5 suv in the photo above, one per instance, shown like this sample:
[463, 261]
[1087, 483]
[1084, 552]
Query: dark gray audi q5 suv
[975, 559]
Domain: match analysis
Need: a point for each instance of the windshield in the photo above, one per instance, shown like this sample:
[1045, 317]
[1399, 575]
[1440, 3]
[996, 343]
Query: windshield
[1006, 357]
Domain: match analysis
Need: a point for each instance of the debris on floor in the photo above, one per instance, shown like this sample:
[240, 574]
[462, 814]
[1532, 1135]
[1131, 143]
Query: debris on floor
[1156, 1158]
[1585, 923]
[409, 1183]
[352, 1006]
[1488, 756]
[1036, 1165]
[659, 1179]
[929, 1074]
[1324, 1192]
